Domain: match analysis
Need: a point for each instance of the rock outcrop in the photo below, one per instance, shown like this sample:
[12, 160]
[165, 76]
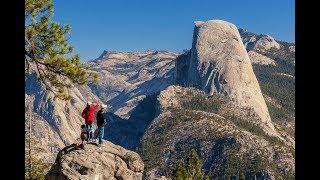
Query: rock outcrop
[219, 63]
[257, 58]
[292, 49]
[266, 42]
[107, 161]
[262, 42]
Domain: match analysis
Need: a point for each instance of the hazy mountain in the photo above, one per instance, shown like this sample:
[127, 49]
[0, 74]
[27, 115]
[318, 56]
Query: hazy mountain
[127, 77]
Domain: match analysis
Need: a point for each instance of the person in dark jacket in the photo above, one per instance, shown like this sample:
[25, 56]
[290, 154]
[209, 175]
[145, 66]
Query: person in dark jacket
[101, 121]
[83, 136]
[88, 115]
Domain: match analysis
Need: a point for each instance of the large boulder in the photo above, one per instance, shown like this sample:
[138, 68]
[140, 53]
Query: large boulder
[107, 161]
[219, 63]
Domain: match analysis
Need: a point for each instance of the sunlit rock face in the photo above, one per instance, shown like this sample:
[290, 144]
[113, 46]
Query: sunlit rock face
[219, 63]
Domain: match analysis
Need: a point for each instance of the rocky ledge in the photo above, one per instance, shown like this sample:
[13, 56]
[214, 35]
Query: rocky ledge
[107, 161]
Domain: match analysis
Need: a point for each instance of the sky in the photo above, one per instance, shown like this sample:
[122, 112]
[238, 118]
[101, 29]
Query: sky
[139, 25]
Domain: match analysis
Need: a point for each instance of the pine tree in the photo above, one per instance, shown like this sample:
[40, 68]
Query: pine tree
[195, 166]
[193, 170]
[242, 176]
[47, 48]
[180, 172]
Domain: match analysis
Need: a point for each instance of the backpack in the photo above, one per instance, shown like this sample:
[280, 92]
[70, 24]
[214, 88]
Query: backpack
[85, 112]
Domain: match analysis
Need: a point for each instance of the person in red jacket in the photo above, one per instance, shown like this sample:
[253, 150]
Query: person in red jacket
[88, 115]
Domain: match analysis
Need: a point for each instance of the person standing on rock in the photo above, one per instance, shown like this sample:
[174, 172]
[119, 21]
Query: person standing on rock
[83, 136]
[88, 115]
[101, 121]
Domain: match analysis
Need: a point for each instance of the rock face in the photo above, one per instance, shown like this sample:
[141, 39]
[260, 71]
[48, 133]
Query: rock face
[262, 42]
[257, 58]
[107, 161]
[292, 48]
[266, 42]
[219, 63]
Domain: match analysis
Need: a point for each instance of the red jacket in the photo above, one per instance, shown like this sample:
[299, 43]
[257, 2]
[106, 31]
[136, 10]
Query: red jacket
[88, 113]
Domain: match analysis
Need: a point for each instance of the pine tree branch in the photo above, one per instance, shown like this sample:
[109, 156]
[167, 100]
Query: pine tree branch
[51, 68]
[47, 86]
[46, 44]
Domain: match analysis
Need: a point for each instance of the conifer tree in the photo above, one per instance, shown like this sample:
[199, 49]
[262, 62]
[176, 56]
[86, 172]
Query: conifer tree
[195, 166]
[180, 172]
[47, 48]
[193, 170]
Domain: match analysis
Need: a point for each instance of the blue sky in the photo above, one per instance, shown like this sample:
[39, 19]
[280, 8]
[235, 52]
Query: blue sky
[138, 25]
